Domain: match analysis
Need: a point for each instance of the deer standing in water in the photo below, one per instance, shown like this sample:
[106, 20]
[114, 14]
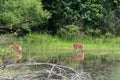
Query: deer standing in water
[78, 57]
[18, 49]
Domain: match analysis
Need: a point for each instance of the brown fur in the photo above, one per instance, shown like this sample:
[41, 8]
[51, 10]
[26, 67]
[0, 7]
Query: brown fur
[78, 57]
[17, 58]
[17, 48]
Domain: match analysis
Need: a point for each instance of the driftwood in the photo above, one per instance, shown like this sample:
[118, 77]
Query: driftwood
[48, 71]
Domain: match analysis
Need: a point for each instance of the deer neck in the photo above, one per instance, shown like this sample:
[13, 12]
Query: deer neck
[82, 51]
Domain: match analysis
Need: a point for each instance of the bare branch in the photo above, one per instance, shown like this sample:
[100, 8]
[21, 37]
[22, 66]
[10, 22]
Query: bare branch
[48, 72]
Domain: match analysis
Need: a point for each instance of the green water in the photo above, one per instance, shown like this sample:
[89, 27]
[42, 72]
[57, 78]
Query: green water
[116, 73]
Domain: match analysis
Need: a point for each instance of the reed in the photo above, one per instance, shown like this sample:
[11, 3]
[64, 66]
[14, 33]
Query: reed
[46, 48]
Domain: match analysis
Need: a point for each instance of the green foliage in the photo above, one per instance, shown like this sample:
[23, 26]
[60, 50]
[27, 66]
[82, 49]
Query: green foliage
[93, 32]
[45, 48]
[112, 23]
[92, 14]
[7, 52]
[69, 32]
[66, 12]
[93, 17]
[22, 13]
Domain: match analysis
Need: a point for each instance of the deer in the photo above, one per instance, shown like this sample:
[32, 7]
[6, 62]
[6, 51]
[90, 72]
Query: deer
[78, 57]
[18, 49]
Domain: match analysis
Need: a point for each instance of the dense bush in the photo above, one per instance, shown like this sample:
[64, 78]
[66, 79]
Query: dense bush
[22, 13]
[69, 32]
[92, 14]
[112, 23]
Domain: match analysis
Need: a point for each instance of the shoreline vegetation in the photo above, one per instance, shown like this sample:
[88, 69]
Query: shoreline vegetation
[46, 48]
[47, 29]
[92, 23]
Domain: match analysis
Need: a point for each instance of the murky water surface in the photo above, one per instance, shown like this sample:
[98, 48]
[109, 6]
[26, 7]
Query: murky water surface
[103, 71]
[106, 70]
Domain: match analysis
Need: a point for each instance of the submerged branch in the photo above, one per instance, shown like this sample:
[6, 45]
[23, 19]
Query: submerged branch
[48, 72]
